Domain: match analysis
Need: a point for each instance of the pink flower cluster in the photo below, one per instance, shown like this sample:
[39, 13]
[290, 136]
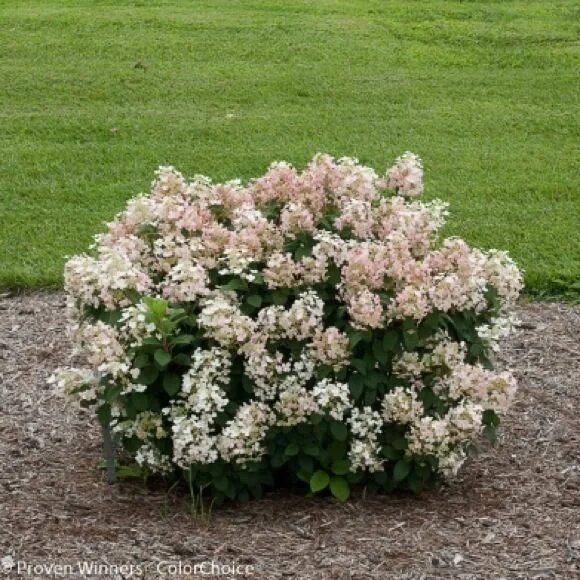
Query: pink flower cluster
[167, 242]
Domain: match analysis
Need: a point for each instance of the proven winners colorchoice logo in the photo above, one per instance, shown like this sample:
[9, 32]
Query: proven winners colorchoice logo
[89, 569]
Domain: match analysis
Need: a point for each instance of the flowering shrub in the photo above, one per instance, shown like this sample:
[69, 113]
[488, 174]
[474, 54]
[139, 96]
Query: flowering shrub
[304, 329]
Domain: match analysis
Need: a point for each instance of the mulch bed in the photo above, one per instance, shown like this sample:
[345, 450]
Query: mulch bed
[514, 512]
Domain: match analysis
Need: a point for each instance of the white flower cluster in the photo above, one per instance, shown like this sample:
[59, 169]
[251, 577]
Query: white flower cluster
[222, 320]
[76, 382]
[242, 438]
[202, 398]
[445, 437]
[402, 406]
[364, 452]
[331, 347]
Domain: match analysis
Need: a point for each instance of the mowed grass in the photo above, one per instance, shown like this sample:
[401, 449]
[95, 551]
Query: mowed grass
[95, 95]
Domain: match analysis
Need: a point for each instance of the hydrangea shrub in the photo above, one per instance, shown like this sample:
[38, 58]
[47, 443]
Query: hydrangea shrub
[305, 329]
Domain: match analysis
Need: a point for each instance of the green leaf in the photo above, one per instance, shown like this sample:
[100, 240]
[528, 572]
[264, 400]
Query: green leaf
[370, 397]
[339, 430]
[464, 328]
[147, 231]
[258, 279]
[217, 469]
[337, 450]
[247, 384]
[221, 483]
[390, 340]
[490, 433]
[171, 383]
[356, 385]
[133, 295]
[162, 358]
[306, 464]
[492, 295]
[433, 321]
[427, 397]
[339, 488]
[141, 360]
[190, 321]
[476, 349]
[411, 339]
[401, 470]
[132, 444]
[130, 471]
[182, 359]
[490, 418]
[148, 375]
[280, 296]
[359, 365]
[271, 209]
[178, 316]
[166, 327]
[236, 284]
[319, 481]
[380, 352]
[333, 274]
[141, 401]
[355, 337]
[311, 449]
[374, 379]
[254, 300]
[323, 371]
[291, 450]
[104, 414]
[182, 339]
[256, 490]
[399, 442]
[302, 252]
[485, 362]
[110, 317]
[415, 483]
[340, 466]
[391, 453]
[385, 297]
[248, 478]
[156, 305]
[112, 392]
[218, 211]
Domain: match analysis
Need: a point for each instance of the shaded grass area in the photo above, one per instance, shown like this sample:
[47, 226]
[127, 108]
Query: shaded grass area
[95, 95]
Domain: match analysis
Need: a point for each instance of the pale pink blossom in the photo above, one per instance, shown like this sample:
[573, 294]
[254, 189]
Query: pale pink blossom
[406, 175]
[365, 310]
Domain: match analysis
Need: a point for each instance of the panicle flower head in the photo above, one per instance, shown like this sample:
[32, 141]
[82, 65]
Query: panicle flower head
[406, 175]
[168, 181]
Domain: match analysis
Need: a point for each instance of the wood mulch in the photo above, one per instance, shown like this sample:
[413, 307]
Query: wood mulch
[514, 511]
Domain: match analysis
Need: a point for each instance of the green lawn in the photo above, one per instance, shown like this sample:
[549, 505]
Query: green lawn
[95, 95]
